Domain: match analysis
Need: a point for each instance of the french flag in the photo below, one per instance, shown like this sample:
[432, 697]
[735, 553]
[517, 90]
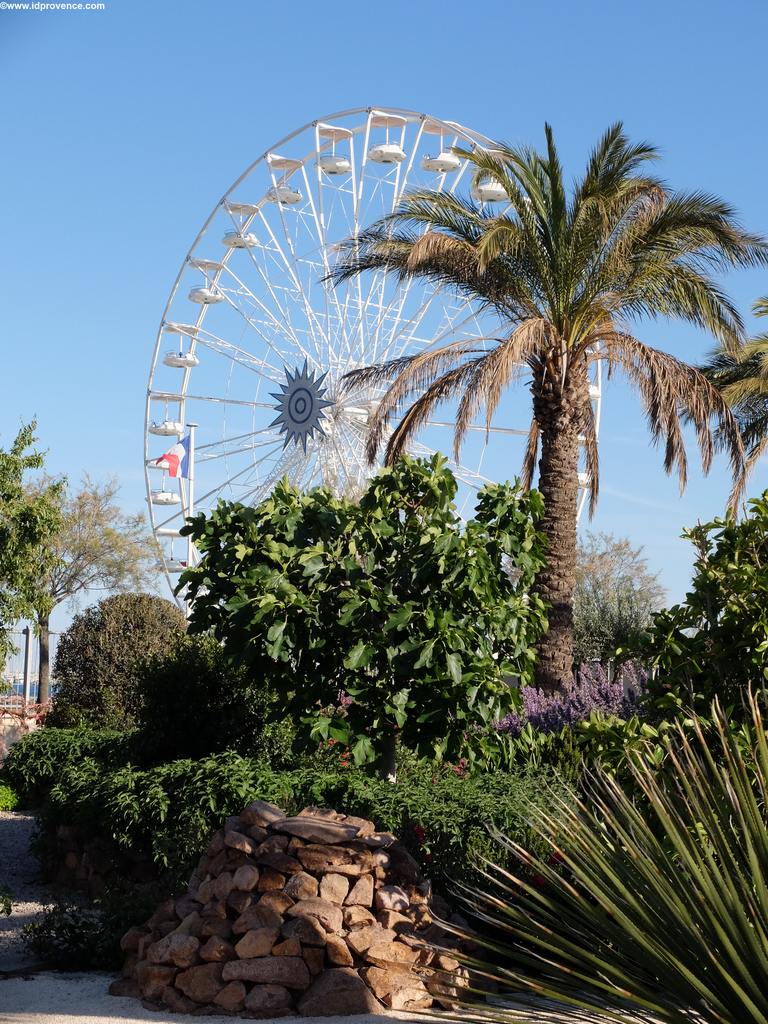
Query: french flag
[176, 460]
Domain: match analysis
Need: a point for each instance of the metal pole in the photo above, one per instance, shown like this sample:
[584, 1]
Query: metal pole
[27, 658]
[191, 492]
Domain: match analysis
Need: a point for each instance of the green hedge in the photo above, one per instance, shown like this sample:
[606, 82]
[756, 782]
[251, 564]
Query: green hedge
[35, 763]
[9, 800]
[169, 812]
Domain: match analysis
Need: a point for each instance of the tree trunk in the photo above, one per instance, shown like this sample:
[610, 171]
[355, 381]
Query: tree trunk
[44, 641]
[388, 762]
[559, 421]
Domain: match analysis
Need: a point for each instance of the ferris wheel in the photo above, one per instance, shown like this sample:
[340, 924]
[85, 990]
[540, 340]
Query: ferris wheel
[245, 384]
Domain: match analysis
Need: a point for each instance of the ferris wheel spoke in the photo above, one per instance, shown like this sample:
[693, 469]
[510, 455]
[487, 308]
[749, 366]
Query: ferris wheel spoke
[213, 456]
[478, 427]
[241, 356]
[290, 270]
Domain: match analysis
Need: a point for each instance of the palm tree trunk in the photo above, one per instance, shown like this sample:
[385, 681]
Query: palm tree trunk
[44, 640]
[555, 583]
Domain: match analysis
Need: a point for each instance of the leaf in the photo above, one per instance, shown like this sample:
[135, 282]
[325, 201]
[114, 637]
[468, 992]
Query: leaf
[360, 656]
[454, 663]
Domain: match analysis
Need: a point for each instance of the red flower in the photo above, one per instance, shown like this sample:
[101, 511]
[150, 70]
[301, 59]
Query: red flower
[420, 834]
[539, 881]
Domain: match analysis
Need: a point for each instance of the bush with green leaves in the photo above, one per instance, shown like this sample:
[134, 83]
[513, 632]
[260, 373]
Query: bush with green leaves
[38, 760]
[101, 657]
[381, 619]
[715, 643]
[195, 702]
[168, 813]
[9, 799]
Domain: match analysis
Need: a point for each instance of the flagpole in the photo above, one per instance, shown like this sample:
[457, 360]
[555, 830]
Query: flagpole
[191, 493]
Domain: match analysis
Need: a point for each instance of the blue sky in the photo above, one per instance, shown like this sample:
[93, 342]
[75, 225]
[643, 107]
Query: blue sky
[122, 128]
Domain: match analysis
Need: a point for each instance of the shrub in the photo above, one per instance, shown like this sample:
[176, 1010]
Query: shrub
[100, 659]
[417, 617]
[73, 937]
[41, 757]
[169, 812]
[660, 908]
[194, 703]
[9, 800]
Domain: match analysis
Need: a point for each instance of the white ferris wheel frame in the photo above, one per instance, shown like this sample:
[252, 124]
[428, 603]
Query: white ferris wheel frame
[198, 334]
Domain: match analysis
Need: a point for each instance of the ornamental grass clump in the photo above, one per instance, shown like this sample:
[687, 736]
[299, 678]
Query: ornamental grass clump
[655, 903]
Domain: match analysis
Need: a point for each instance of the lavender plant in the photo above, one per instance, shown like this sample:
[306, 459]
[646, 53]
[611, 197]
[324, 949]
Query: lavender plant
[591, 690]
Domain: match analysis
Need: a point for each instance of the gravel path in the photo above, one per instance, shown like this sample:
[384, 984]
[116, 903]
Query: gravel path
[19, 871]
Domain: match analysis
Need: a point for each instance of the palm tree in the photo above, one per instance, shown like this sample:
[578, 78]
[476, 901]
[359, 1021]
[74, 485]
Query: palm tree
[742, 377]
[564, 276]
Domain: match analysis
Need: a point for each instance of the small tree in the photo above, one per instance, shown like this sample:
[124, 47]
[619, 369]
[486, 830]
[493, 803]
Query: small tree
[28, 524]
[715, 643]
[382, 619]
[616, 594]
[101, 658]
[98, 547]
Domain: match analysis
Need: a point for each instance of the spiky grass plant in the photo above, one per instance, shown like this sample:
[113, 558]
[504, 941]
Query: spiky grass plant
[654, 903]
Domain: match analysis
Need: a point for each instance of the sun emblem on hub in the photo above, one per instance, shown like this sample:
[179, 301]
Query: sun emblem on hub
[300, 405]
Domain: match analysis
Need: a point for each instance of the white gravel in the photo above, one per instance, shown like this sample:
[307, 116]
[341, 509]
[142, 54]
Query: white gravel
[20, 872]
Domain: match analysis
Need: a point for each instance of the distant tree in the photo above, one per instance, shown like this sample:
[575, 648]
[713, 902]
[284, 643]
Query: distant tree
[101, 659]
[29, 521]
[616, 594]
[97, 547]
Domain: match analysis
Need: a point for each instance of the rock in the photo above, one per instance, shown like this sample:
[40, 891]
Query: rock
[314, 958]
[232, 996]
[217, 950]
[290, 971]
[179, 950]
[272, 844]
[320, 859]
[403, 865]
[223, 885]
[395, 921]
[201, 984]
[306, 930]
[365, 828]
[190, 925]
[391, 897]
[358, 917]
[398, 990]
[186, 905]
[301, 886]
[317, 830]
[256, 917]
[127, 987]
[257, 942]
[269, 1001]
[337, 951]
[447, 963]
[334, 888]
[257, 832]
[216, 908]
[239, 901]
[205, 891]
[290, 947]
[246, 878]
[153, 978]
[361, 939]
[379, 840]
[328, 914]
[279, 862]
[362, 893]
[259, 812]
[130, 941]
[447, 987]
[391, 955]
[165, 912]
[338, 991]
[215, 926]
[276, 901]
[270, 879]
[176, 1002]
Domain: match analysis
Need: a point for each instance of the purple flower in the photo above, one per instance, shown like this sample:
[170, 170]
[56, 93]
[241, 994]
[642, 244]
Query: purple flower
[590, 691]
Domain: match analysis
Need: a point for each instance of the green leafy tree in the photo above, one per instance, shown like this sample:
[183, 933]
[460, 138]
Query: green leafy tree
[562, 276]
[98, 547]
[742, 376]
[391, 601]
[615, 596]
[715, 643]
[102, 657]
[28, 524]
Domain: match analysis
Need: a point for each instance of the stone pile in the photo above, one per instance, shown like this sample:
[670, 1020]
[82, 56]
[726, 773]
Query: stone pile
[316, 914]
